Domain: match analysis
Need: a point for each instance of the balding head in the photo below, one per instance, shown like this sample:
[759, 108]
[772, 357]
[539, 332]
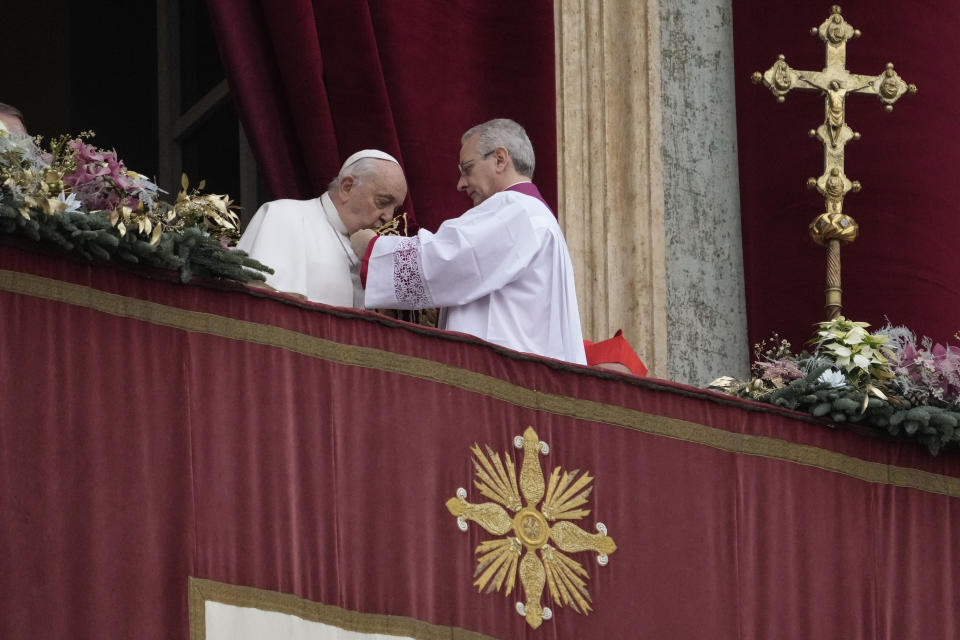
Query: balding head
[12, 119]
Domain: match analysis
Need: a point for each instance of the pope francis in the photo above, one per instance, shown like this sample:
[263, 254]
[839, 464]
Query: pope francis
[307, 242]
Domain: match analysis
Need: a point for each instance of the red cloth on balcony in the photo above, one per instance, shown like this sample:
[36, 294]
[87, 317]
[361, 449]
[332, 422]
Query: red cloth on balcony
[615, 349]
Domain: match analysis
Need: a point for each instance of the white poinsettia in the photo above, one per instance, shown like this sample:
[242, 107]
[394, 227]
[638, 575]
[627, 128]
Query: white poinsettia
[853, 350]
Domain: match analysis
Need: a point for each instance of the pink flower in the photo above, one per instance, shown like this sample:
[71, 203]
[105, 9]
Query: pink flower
[101, 180]
[123, 182]
[85, 153]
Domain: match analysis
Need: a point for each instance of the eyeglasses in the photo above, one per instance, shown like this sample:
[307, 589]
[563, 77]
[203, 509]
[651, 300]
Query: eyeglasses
[466, 167]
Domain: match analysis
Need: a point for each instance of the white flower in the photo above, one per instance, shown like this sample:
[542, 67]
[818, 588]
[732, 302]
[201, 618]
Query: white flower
[71, 201]
[833, 377]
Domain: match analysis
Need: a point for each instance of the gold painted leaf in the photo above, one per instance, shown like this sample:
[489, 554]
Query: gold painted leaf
[488, 515]
[566, 580]
[493, 482]
[571, 538]
[55, 205]
[565, 494]
[184, 181]
[533, 578]
[531, 476]
[875, 391]
[157, 234]
[498, 564]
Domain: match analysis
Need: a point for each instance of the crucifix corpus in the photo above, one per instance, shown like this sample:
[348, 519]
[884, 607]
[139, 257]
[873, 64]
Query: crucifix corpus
[834, 228]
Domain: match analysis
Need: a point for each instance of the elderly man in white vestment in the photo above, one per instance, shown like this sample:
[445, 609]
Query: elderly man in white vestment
[500, 271]
[307, 242]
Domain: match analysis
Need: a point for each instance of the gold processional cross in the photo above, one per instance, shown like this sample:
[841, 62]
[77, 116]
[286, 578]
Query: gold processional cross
[833, 227]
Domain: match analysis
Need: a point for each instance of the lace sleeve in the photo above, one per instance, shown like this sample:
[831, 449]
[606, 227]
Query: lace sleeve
[409, 284]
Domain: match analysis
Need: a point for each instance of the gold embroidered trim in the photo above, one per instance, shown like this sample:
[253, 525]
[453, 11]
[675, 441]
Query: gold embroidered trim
[198, 322]
[201, 590]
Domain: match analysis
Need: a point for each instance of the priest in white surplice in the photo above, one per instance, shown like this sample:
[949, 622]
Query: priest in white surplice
[501, 271]
[307, 242]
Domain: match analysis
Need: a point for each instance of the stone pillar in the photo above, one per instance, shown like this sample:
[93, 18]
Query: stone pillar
[610, 169]
[648, 183]
[705, 293]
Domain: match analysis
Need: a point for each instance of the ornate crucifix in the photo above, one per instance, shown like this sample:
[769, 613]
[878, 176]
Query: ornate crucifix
[833, 227]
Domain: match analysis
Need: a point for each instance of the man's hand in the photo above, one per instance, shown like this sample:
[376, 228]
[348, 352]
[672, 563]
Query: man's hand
[360, 240]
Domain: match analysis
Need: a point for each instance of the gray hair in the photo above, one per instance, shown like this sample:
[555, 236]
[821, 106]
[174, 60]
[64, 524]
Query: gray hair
[10, 110]
[360, 169]
[503, 132]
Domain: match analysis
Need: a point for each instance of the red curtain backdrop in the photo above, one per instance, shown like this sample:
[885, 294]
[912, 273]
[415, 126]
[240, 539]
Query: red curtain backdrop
[150, 432]
[903, 265]
[316, 81]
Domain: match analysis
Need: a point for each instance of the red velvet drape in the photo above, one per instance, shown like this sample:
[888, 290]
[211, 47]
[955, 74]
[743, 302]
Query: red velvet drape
[316, 81]
[903, 264]
[150, 432]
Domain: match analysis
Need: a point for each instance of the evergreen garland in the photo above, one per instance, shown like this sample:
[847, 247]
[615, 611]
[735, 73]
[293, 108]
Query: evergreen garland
[931, 425]
[191, 252]
[886, 398]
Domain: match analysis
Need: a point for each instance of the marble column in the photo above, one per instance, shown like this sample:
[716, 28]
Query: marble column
[648, 184]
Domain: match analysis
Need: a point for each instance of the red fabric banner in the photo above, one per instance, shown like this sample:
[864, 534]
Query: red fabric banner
[151, 432]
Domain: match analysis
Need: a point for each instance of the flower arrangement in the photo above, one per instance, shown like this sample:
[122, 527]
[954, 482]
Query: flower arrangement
[26, 177]
[102, 182]
[926, 371]
[859, 355]
[87, 201]
[888, 380]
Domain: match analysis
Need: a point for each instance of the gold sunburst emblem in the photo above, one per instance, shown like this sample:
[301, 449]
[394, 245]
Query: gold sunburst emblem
[530, 529]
